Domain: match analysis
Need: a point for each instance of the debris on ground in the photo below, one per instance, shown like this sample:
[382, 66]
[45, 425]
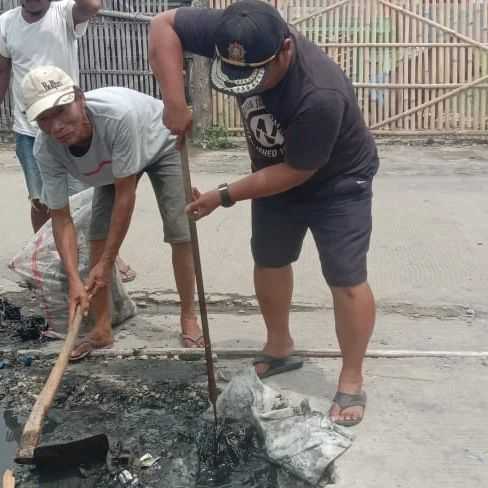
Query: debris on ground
[17, 325]
[151, 406]
[148, 460]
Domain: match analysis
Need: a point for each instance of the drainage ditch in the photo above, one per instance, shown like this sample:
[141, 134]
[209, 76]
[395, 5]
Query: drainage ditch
[146, 407]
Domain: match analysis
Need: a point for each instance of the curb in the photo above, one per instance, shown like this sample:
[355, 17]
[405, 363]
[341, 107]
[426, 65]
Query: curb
[196, 354]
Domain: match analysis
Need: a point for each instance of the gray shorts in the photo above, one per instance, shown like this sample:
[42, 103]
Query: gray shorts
[340, 223]
[167, 182]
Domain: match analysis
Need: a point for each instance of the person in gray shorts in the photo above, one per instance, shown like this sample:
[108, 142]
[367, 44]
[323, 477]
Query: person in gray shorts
[107, 138]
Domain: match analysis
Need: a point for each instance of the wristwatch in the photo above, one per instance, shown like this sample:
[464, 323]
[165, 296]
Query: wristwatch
[225, 199]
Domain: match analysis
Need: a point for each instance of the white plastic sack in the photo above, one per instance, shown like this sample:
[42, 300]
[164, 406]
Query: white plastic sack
[40, 265]
[302, 442]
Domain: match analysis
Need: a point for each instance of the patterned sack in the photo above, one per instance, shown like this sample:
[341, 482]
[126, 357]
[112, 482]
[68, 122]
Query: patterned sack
[40, 266]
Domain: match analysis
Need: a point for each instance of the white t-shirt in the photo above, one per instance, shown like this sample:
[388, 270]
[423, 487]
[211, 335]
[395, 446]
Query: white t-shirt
[128, 136]
[50, 41]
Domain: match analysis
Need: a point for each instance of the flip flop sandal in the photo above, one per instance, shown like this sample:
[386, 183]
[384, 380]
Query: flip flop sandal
[89, 347]
[277, 365]
[195, 341]
[87, 350]
[347, 400]
[127, 275]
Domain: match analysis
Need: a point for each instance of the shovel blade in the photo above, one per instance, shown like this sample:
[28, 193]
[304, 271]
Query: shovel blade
[90, 450]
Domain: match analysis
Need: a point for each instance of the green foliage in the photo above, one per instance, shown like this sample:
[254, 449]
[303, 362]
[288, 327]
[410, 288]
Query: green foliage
[215, 137]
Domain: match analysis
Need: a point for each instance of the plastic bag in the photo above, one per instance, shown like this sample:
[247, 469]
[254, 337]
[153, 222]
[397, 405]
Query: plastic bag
[302, 442]
[40, 265]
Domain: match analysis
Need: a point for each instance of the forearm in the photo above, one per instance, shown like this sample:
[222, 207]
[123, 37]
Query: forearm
[83, 10]
[166, 59]
[66, 243]
[121, 215]
[267, 181]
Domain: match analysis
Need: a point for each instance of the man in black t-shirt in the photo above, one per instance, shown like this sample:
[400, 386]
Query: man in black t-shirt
[313, 161]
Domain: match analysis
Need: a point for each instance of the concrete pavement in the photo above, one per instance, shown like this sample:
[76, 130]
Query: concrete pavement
[425, 423]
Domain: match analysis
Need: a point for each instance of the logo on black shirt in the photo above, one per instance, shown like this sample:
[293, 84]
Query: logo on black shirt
[263, 132]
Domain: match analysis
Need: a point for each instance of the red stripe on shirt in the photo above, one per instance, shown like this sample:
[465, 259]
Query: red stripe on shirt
[98, 168]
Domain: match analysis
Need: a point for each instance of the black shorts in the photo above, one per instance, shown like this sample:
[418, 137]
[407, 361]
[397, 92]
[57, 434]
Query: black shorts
[340, 223]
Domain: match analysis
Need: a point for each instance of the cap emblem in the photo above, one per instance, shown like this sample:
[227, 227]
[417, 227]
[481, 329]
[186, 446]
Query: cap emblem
[236, 51]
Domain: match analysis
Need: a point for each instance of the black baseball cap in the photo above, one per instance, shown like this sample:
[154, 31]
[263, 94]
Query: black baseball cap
[249, 36]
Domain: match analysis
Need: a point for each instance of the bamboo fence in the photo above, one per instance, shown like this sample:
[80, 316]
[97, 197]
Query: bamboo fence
[114, 52]
[417, 66]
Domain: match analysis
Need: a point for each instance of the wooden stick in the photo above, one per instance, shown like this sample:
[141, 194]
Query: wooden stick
[32, 428]
[319, 12]
[386, 60]
[413, 64]
[400, 68]
[433, 71]
[456, 68]
[394, 44]
[409, 13]
[477, 67]
[8, 479]
[212, 389]
[441, 112]
[469, 121]
[413, 85]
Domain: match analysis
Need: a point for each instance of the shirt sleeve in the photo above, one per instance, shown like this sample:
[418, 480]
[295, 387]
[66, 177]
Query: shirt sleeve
[311, 137]
[54, 176]
[196, 27]
[4, 50]
[126, 152]
[77, 30]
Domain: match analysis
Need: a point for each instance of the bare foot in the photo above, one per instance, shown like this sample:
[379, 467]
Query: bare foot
[191, 333]
[276, 351]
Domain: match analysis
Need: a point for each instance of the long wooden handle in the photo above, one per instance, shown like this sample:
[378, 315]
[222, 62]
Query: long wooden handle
[33, 426]
[8, 479]
[212, 387]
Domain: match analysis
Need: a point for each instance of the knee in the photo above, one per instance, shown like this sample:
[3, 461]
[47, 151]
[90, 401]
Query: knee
[350, 292]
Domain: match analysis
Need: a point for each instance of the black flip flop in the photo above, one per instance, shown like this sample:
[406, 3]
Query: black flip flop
[347, 400]
[278, 365]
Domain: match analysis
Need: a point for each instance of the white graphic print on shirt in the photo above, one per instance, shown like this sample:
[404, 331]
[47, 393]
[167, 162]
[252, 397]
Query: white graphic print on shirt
[263, 132]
